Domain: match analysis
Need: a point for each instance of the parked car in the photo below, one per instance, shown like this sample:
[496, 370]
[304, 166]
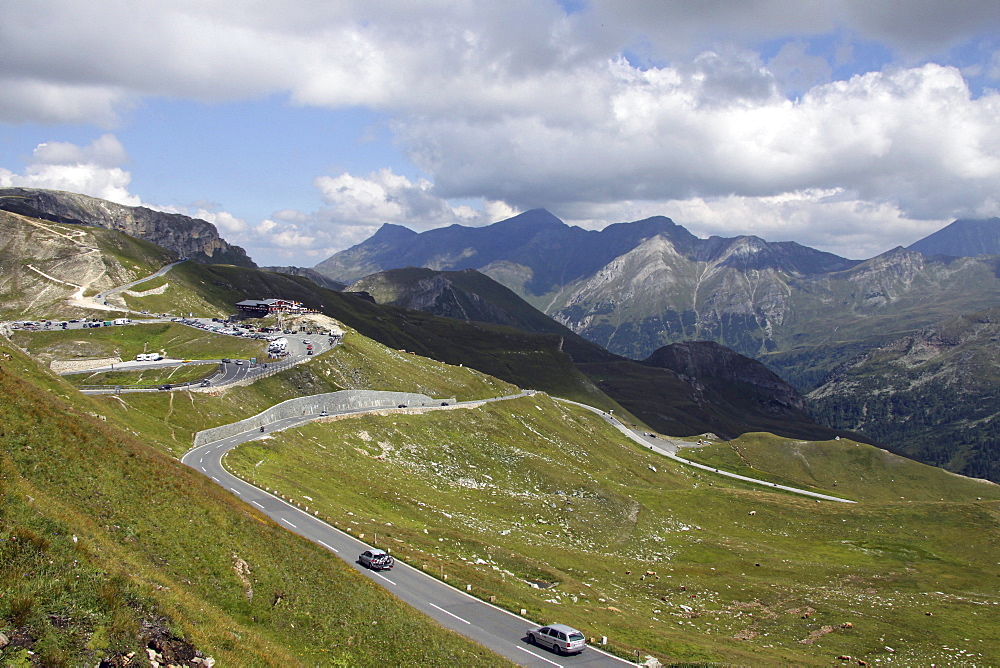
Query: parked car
[377, 560]
[560, 638]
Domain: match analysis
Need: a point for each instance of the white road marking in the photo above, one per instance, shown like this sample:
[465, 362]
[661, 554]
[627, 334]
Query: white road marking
[288, 523]
[394, 584]
[451, 613]
[257, 504]
[235, 491]
[201, 461]
[327, 546]
[539, 656]
[216, 479]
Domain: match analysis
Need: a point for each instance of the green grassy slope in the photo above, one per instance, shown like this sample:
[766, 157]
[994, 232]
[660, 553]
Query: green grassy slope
[144, 378]
[531, 492]
[527, 360]
[107, 545]
[847, 468]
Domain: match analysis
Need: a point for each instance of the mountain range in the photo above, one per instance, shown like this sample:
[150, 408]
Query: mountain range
[634, 287]
[815, 313]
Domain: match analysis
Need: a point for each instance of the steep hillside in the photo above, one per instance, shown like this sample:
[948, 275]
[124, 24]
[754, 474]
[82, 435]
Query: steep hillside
[962, 238]
[465, 295]
[932, 395]
[46, 268]
[109, 548]
[187, 237]
[537, 503]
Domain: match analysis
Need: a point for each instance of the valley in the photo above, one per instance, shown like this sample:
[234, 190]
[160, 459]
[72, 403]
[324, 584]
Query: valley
[531, 504]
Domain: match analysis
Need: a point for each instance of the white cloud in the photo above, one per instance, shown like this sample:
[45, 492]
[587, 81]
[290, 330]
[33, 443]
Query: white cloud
[915, 138]
[508, 106]
[387, 197]
[90, 170]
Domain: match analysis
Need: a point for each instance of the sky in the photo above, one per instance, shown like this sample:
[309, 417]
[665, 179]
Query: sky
[299, 128]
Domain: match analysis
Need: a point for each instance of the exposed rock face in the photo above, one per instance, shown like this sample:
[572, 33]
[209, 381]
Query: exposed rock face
[193, 238]
[931, 395]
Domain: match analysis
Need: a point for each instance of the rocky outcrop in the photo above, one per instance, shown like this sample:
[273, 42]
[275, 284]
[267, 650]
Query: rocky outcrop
[188, 237]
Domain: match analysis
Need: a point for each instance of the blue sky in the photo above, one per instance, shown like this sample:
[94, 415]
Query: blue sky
[299, 128]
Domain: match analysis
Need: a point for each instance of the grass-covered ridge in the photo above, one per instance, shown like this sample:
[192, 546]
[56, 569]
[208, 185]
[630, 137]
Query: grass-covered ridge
[846, 468]
[104, 541]
[534, 491]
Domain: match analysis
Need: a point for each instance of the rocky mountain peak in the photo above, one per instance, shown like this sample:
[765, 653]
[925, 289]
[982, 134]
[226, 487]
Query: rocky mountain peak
[188, 237]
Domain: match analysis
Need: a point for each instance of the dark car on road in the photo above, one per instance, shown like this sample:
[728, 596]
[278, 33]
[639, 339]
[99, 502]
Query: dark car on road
[377, 560]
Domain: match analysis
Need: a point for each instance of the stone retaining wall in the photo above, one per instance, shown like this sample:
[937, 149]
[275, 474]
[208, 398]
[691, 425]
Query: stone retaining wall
[79, 366]
[331, 402]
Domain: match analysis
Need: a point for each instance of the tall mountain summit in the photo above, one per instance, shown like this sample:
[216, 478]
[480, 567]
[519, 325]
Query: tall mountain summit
[963, 238]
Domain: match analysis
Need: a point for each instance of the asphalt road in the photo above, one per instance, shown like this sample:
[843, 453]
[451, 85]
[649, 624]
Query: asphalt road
[229, 371]
[100, 300]
[667, 450]
[499, 630]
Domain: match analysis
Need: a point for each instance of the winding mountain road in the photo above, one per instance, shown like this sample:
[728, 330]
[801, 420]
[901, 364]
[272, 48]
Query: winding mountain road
[100, 300]
[495, 628]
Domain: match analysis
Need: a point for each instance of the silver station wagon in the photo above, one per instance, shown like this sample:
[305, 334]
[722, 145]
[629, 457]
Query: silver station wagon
[560, 638]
